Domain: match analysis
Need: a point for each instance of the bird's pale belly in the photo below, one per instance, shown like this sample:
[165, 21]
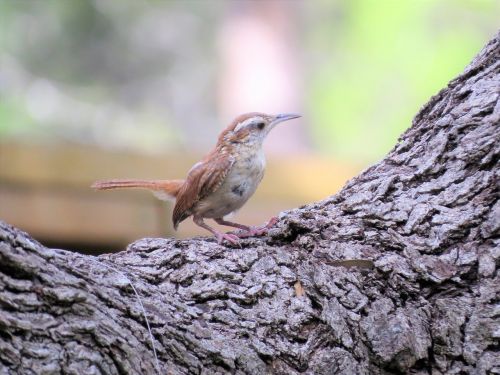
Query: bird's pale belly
[237, 188]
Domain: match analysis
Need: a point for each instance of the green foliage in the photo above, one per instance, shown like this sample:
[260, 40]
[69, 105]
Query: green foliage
[13, 117]
[381, 60]
[368, 66]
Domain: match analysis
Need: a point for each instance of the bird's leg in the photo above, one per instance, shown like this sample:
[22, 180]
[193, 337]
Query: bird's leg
[232, 238]
[246, 230]
[221, 221]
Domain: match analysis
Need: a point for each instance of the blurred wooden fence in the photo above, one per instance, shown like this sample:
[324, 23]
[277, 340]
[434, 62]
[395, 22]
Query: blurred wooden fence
[44, 190]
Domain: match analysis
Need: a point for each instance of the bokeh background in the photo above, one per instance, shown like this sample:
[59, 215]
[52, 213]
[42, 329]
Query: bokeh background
[109, 89]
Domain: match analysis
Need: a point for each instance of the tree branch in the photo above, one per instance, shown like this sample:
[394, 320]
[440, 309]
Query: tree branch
[427, 216]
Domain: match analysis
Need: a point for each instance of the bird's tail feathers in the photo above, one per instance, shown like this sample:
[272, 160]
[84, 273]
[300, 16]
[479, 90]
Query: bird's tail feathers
[162, 189]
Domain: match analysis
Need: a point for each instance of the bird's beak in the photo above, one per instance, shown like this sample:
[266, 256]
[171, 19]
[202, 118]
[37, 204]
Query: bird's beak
[284, 117]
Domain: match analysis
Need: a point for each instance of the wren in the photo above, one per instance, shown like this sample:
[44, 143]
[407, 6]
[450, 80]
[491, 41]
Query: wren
[222, 182]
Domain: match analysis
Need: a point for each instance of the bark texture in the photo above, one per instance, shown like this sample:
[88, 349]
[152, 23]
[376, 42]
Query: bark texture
[427, 216]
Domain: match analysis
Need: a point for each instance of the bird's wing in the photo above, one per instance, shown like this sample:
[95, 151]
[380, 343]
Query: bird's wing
[203, 179]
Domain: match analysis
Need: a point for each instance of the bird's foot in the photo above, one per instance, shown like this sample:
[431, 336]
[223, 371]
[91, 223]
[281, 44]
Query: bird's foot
[229, 237]
[256, 231]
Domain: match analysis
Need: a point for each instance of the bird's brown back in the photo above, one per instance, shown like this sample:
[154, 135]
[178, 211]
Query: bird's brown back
[202, 180]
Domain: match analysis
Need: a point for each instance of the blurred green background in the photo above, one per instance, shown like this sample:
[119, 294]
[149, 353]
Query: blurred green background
[162, 78]
[140, 69]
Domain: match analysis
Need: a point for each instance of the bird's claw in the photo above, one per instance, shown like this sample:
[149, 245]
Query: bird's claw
[272, 222]
[256, 231]
[252, 232]
[229, 237]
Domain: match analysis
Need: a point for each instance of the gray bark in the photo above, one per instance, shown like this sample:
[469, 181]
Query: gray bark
[427, 216]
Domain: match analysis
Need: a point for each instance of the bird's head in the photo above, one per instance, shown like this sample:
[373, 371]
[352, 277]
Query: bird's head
[252, 128]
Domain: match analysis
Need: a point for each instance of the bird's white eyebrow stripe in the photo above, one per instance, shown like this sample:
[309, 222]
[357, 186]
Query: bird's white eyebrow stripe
[243, 124]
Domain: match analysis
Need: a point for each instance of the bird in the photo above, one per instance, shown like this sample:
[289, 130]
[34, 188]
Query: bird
[222, 182]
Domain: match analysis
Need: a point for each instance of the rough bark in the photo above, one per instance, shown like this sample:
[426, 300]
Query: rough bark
[428, 216]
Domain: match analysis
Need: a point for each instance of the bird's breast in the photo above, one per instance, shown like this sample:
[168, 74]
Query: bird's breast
[246, 175]
[239, 185]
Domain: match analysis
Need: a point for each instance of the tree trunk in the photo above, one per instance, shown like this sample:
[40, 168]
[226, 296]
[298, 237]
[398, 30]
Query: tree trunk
[427, 216]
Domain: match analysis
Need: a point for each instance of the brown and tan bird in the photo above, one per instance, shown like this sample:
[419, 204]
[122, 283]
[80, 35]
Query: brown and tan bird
[222, 181]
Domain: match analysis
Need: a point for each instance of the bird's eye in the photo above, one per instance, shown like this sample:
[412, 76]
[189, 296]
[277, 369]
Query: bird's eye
[260, 125]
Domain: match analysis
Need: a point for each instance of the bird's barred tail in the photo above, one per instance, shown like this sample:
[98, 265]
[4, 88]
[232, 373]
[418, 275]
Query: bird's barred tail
[162, 189]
